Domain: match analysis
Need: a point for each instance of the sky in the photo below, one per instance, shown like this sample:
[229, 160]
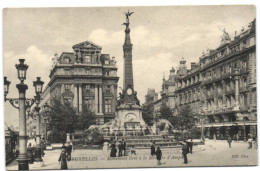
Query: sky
[161, 36]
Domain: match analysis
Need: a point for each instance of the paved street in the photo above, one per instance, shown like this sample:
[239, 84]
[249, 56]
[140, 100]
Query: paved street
[212, 154]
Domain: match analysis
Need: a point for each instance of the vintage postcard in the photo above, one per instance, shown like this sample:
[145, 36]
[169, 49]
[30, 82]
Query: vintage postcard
[130, 87]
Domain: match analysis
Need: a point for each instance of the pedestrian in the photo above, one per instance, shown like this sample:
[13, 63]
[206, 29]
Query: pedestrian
[124, 146]
[113, 150]
[133, 150]
[64, 147]
[30, 153]
[43, 147]
[120, 147]
[158, 155]
[63, 159]
[190, 146]
[153, 149]
[250, 142]
[185, 152]
[229, 140]
[69, 149]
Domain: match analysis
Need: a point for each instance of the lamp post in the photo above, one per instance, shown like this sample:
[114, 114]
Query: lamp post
[38, 89]
[22, 103]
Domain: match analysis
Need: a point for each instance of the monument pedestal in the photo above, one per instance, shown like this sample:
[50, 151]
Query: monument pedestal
[129, 116]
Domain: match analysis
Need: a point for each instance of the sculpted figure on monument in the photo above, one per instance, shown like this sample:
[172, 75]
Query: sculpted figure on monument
[137, 101]
[127, 16]
[121, 99]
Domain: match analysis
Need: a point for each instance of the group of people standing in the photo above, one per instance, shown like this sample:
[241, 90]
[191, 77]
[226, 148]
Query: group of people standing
[31, 150]
[121, 149]
[65, 155]
[186, 148]
[252, 141]
[157, 153]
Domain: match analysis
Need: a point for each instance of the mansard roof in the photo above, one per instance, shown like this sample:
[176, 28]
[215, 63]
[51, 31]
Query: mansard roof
[87, 44]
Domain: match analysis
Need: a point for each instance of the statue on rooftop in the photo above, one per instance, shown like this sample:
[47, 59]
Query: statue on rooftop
[225, 37]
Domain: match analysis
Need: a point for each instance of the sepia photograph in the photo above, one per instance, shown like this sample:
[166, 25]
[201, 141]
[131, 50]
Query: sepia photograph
[129, 87]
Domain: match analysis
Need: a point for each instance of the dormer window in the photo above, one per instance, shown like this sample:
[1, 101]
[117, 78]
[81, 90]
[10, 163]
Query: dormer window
[106, 62]
[66, 60]
[87, 59]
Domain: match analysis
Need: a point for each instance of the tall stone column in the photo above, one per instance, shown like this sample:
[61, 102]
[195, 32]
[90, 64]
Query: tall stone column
[236, 90]
[215, 95]
[62, 88]
[96, 99]
[80, 98]
[205, 97]
[224, 87]
[100, 99]
[75, 98]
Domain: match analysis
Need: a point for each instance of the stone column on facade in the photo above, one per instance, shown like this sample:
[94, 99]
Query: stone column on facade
[113, 100]
[224, 94]
[236, 90]
[80, 98]
[215, 96]
[62, 88]
[75, 98]
[96, 99]
[205, 97]
[100, 99]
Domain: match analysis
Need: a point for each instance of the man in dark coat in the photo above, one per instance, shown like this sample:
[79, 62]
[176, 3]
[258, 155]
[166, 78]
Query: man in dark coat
[153, 149]
[113, 150]
[158, 154]
[124, 146]
[190, 145]
[30, 153]
[185, 152]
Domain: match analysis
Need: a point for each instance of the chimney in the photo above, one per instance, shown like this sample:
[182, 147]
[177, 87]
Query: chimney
[192, 65]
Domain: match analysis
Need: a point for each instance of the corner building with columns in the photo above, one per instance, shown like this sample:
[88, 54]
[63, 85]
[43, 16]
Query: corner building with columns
[221, 87]
[86, 78]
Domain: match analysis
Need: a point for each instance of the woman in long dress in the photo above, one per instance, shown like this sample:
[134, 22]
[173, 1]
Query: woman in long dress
[63, 159]
[113, 151]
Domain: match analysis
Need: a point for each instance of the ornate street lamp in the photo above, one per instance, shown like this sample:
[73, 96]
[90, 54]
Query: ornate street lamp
[22, 104]
[6, 86]
[38, 85]
[21, 69]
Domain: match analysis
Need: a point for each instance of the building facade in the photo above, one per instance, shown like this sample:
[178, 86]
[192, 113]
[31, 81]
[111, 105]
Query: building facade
[221, 87]
[167, 94]
[151, 96]
[86, 78]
